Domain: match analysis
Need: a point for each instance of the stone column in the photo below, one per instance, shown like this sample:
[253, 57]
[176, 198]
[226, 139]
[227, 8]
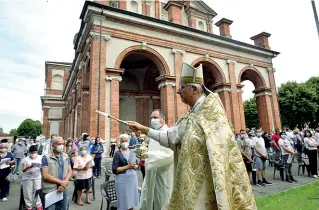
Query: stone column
[264, 108]
[46, 124]
[233, 96]
[224, 94]
[274, 97]
[181, 108]
[94, 71]
[112, 106]
[168, 100]
[147, 7]
[241, 106]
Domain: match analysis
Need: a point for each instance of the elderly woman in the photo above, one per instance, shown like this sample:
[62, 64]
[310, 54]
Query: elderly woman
[124, 166]
[4, 172]
[83, 164]
[31, 178]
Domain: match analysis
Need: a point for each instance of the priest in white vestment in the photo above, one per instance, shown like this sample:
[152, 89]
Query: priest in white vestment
[158, 183]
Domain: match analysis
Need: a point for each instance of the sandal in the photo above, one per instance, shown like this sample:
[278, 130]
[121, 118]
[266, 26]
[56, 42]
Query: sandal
[80, 204]
[88, 202]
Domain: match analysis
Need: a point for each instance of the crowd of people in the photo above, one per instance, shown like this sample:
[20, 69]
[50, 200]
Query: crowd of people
[280, 148]
[49, 164]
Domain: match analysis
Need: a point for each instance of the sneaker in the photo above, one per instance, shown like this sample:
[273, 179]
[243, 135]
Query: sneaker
[315, 176]
[4, 199]
[267, 183]
[260, 184]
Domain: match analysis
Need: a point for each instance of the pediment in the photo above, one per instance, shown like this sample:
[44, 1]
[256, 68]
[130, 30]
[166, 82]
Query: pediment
[201, 6]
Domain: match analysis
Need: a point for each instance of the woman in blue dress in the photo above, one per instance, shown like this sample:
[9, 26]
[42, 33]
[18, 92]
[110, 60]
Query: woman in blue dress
[5, 171]
[126, 184]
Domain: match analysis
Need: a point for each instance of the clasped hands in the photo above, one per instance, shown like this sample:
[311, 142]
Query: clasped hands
[63, 185]
[132, 166]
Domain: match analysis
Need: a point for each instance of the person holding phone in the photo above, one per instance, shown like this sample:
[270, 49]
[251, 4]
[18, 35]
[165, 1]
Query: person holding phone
[124, 167]
[83, 165]
[31, 178]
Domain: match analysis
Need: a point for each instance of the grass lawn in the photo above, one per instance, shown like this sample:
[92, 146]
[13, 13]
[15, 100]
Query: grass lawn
[300, 198]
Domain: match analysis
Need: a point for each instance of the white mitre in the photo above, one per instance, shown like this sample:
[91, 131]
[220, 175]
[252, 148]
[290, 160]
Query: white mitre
[191, 74]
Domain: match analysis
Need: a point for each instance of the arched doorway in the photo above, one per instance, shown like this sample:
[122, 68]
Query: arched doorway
[139, 93]
[262, 96]
[215, 81]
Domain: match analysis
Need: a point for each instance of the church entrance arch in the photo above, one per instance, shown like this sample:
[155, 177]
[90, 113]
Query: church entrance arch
[262, 95]
[215, 81]
[139, 93]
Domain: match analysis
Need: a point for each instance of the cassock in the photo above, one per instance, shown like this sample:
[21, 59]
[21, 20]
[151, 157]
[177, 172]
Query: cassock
[210, 173]
[158, 183]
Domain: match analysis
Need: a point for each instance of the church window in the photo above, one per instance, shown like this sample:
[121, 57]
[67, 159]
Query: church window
[114, 3]
[201, 26]
[134, 6]
[57, 82]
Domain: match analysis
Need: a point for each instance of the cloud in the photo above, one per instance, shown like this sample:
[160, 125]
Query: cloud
[35, 31]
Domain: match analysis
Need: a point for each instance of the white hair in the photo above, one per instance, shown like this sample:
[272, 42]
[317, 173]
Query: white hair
[55, 139]
[197, 86]
[122, 136]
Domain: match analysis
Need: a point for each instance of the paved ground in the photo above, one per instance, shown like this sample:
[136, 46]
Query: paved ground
[13, 199]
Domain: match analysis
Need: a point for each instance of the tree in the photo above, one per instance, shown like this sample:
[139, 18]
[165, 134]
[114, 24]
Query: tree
[29, 127]
[313, 82]
[1, 129]
[297, 104]
[251, 115]
[14, 132]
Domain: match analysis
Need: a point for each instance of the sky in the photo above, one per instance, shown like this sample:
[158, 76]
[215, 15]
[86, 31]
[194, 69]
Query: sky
[35, 31]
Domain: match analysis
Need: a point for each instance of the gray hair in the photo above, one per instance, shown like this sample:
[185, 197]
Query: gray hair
[122, 136]
[161, 112]
[54, 140]
[197, 86]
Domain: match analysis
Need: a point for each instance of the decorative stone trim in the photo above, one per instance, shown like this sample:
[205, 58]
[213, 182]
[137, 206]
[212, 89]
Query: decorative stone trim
[88, 40]
[63, 107]
[231, 61]
[163, 84]
[118, 78]
[206, 56]
[73, 91]
[262, 94]
[156, 97]
[178, 51]
[148, 3]
[223, 90]
[142, 97]
[78, 81]
[82, 64]
[144, 45]
[105, 36]
[46, 107]
[271, 69]
[88, 54]
[86, 92]
[252, 65]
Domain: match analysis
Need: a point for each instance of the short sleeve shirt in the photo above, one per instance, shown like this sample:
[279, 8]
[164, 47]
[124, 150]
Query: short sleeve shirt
[60, 165]
[245, 145]
[80, 162]
[284, 143]
[34, 172]
[259, 143]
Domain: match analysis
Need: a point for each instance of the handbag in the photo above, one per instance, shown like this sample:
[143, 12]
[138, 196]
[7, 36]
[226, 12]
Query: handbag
[11, 177]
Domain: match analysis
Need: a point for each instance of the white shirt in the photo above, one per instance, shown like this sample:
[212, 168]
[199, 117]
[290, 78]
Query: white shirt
[34, 172]
[317, 137]
[259, 143]
[284, 143]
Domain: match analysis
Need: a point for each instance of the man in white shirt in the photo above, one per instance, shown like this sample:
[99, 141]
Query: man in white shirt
[260, 158]
[158, 183]
[317, 136]
[287, 153]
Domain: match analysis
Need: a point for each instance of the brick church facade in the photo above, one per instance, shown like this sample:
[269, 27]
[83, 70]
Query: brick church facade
[143, 45]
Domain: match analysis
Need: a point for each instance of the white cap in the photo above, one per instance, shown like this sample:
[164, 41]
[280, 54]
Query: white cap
[190, 74]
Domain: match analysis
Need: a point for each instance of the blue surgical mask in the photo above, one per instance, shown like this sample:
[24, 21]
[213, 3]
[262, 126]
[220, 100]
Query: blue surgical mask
[83, 152]
[3, 150]
[259, 134]
[283, 136]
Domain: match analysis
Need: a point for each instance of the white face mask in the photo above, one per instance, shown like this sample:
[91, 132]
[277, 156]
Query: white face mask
[59, 148]
[124, 145]
[32, 155]
[156, 124]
